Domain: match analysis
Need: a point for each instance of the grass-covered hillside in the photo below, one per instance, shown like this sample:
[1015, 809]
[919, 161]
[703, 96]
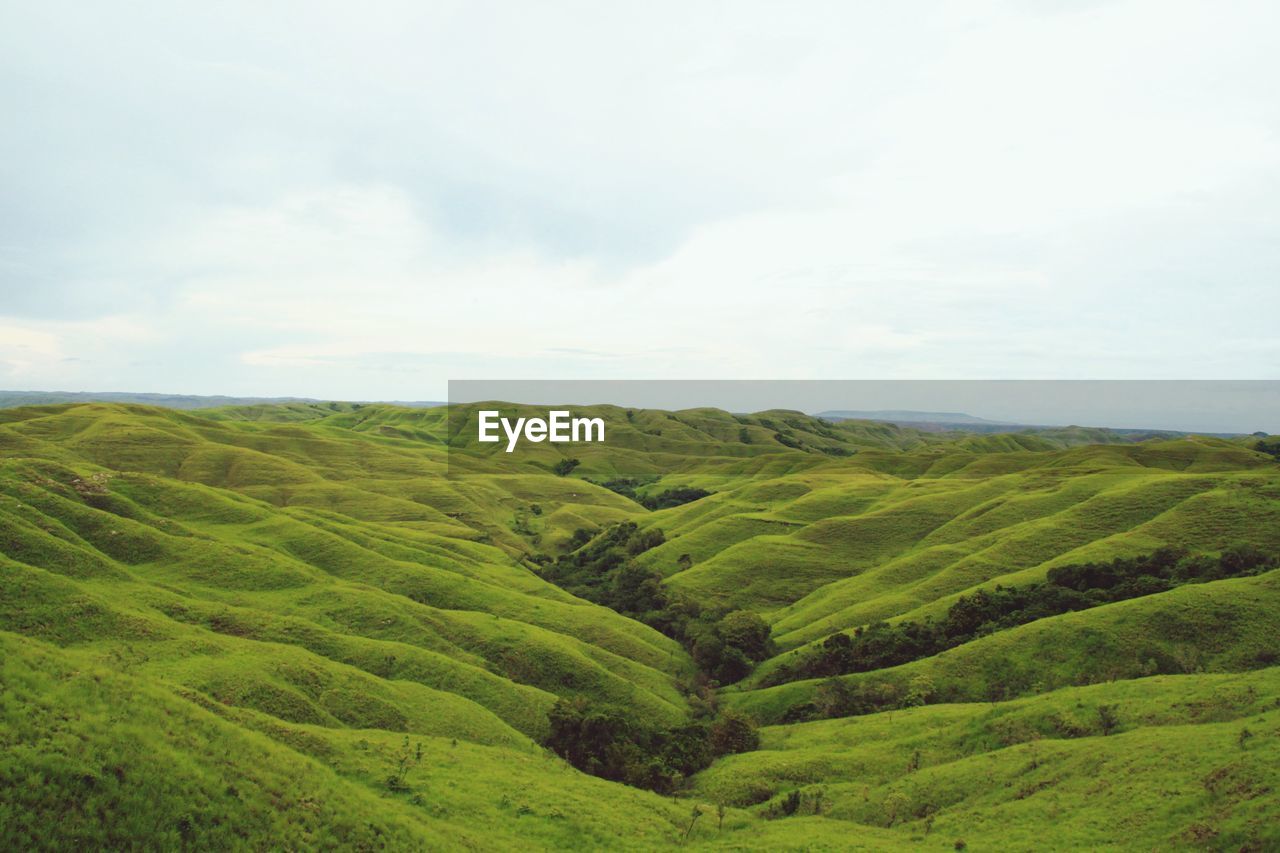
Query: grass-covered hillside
[343, 626]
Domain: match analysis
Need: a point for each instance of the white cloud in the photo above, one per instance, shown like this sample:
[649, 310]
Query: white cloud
[363, 204]
[23, 350]
[61, 352]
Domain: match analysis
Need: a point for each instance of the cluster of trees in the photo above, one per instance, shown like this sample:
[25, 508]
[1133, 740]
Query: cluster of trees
[784, 434]
[565, 467]
[625, 486]
[602, 570]
[1068, 588]
[728, 648]
[725, 644]
[673, 497]
[788, 440]
[837, 698]
[1270, 447]
[1159, 571]
[629, 487]
[614, 744]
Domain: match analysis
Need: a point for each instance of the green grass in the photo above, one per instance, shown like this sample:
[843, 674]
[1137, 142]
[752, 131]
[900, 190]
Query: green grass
[1038, 771]
[1229, 625]
[123, 761]
[218, 628]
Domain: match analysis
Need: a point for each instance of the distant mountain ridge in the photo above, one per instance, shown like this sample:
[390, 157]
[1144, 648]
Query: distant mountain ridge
[962, 422]
[912, 417]
[10, 399]
[919, 420]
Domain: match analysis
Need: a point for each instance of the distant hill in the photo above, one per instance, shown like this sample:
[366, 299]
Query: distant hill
[9, 399]
[925, 421]
[961, 422]
[912, 417]
[303, 408]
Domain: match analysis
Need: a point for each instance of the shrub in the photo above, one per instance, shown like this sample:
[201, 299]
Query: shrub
[1271, 448]
[787, 441]
[894, 806]
[614, 744]
[920, 690]
[564, 467]
[405, 760]
[673, 497]
[747, 632]
[733, 732]
[729, 648]
[1108, 721]
[693, 818]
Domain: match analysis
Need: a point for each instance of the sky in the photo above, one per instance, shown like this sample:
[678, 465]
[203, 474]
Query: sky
[364, 201]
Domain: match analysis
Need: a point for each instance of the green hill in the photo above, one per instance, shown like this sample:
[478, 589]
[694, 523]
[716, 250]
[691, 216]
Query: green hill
[234, 628]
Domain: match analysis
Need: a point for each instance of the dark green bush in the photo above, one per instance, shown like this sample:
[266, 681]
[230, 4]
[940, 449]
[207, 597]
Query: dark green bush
[614, 744]
[564, 467]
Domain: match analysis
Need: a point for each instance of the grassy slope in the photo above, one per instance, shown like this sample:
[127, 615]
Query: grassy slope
[302, 585]
[1038, 772]
[834, 541]
[1226, 626]
[120, 759]
[381, 569]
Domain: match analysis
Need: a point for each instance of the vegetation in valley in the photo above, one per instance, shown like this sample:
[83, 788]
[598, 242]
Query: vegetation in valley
[725, 644]
[631, 487]
[1068, 588]
[613, 743]
[1269, 446]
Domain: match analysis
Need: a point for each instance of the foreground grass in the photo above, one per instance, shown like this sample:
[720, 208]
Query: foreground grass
[95, 758]
[1180, 760]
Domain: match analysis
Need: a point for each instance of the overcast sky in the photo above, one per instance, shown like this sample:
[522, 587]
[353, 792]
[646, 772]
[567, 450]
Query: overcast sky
[365, 200]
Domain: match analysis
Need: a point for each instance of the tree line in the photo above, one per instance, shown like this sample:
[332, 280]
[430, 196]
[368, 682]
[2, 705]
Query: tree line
[629, 487]
[1065, 589]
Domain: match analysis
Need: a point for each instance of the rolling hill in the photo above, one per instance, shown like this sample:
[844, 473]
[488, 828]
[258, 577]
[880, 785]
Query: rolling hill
[303, 625]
